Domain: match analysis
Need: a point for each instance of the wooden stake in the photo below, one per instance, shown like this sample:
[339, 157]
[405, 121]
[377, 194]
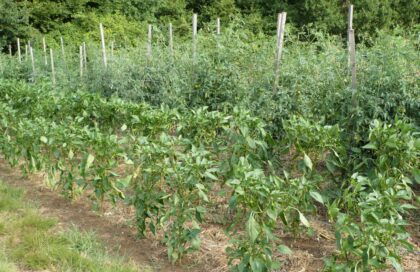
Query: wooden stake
[112, 49]
[351, 48]
[84, 55]
[149, 41]
[44, 46]
[101, 29]
[63, 52]
[194, 35]
[52, 66]
[81, 60]
[350, 18]
[218, 26]
[349, 27]
[281, 24]
[32, 60]
[19, 53]
[352, 44]
[171, 39]
[10, 50]
[26, 52]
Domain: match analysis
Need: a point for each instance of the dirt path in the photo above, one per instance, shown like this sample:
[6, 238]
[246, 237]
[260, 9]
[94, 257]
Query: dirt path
[118, 237]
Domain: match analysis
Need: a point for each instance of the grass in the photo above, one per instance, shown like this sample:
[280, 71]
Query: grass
[29, 241]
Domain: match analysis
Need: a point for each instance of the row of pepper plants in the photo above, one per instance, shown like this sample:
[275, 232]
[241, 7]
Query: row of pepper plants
[174, 166]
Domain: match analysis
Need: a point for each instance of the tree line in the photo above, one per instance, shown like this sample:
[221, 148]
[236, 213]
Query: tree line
[78, 19]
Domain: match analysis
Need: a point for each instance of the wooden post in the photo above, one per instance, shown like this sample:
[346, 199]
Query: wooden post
[194, 36]
[31, 52]
[112, 49]
[26, 52]
[171, 39]
[351, 48]
[218, 26]
[101, 29]
[44, 46]
[352, 44]
[281, 24]
[350, 18]
[52, 66]
[29, 49]
[81, 60]
[63, 53]
[149, 41]
[84, 55]
[10, 50]
[18, 48]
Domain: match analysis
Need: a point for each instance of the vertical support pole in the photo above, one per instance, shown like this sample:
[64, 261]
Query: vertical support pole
[101, 29]
[63, 52]
[31, 52]
[81, 61]
[112, 49]
[26, 52]
[350, 18]
[52, 66]
[84, 55]
[351, 48]
[149, 41]
[194, 36]
[352, 44]
[19, 53]
[281, 24]
[218, 26]
[10, 50]
[171, 39]
[44, 46]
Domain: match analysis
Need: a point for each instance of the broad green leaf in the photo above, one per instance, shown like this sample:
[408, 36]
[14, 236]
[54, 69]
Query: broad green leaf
[317, 197]
[307, 161]
[124, 127]
[253, 228]
[284, 249]
[44, 139]
[210, 175]
[303, 220]
[369, 146]
[203, 195]
[395, 264]
[272, 214]
[89, 161]
[257, 264]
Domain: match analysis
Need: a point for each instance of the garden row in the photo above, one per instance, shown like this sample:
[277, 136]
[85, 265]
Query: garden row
[178, 166]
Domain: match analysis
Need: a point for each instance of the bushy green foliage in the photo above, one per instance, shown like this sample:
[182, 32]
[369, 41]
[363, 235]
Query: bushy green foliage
[75, 19]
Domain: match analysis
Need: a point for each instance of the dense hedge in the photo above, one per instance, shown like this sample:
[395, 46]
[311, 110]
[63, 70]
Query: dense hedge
[77, 20]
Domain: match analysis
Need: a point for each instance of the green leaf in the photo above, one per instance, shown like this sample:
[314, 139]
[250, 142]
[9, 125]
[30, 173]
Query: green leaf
[416, 174]
[284, 249]
[210, 175]
[303, 220]
[44, 139]
[272, 214]
[257, 264]
[89, 161]
[369, 146]
[253, 228]
[317, 196]
[307, 161]
[395, 264]
[124, 127]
